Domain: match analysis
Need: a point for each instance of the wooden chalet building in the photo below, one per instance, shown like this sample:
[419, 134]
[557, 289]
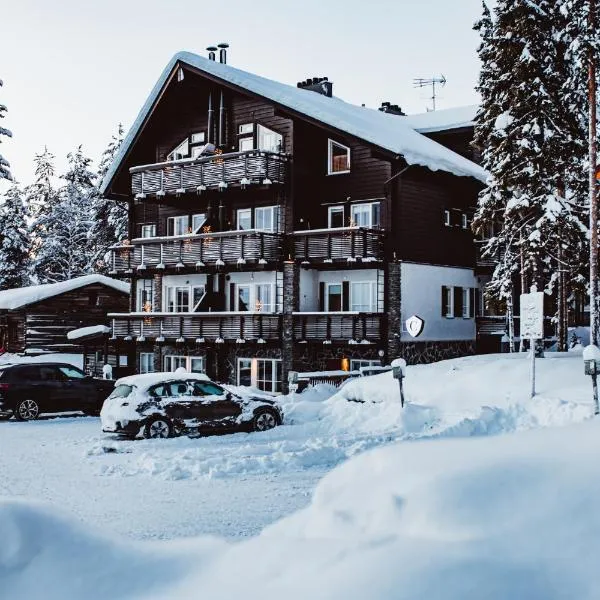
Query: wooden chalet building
[277, 228]
[37, 319]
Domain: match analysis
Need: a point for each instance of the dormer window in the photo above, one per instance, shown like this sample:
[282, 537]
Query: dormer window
[190, 147]
[180, 151]
[338, 158]
[253, 136]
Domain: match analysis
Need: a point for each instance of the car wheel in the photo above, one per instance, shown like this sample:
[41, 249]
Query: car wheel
[264, 420]
[27, 410]
[158, 428]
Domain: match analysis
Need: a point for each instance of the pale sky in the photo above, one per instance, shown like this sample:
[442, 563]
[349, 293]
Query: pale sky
[74, 69]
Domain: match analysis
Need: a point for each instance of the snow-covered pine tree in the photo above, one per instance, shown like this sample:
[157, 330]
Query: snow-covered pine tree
[4, 164]
[65, 251]
[110, 218]
[14, 240]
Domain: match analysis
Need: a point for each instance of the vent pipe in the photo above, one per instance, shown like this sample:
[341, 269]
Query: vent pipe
[212, 52]
[210, 120]
[221, 142]
[223, 52]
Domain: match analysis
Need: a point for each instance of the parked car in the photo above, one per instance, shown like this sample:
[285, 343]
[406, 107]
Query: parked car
[162, 405]
[30, 389]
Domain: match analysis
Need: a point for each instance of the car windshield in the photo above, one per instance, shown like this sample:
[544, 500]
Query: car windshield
[122, 391]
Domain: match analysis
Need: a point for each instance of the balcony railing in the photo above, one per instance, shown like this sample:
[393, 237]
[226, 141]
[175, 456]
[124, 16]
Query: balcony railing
[343, 244]
[484, 261]
[215, 327]
[348, 327]
[229, 248]
[240, 169]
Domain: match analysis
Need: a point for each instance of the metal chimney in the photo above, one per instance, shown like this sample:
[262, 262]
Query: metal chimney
[212, 52]
[223, 52]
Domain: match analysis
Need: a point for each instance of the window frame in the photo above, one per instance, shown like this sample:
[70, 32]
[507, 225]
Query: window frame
[144, 228]
[274, 211]
[146, 367]
[449, 301]
[371, 363]
[447, 218]
[197, 229]
[372, 293]
[146, 285]
[330, 144]
[183, 360]
[466, 303]
[258, 128]
[370, 209]
[329, 284]
[336, 209]
[275, 382]
[237, 218]
[178, 219]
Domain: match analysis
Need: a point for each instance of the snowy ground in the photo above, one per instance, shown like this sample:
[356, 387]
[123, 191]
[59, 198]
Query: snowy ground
[439, 505]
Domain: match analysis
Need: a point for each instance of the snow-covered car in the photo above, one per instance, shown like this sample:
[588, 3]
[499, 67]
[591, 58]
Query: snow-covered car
[162, 405]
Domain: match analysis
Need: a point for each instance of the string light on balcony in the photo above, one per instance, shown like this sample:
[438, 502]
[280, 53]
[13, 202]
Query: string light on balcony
[140, 196]
[222, 186]
[161, 194]
[201, 188]
[199, 264]
[200, 341]
[179, 192]
[180, 340]
[219, 340]
[267, 182]
[244, 183]
[241, 261]
[326, 342]
[219, 263]
[240, 341]
[260, 341]
[127, 338]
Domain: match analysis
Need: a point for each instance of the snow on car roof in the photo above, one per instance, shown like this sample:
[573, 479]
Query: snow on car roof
[390, 132]
[147, 379]
[19, 297]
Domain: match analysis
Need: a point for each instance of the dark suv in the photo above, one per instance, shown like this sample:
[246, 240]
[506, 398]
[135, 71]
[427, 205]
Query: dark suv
[27, 390]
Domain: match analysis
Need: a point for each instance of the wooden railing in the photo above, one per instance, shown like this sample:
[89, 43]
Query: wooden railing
[343, 244]
[240, 169]
[348, 327]
[216, 327]
[229, 248]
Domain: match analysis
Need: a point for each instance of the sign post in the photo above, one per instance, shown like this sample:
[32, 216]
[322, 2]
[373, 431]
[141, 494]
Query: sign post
[532, 324]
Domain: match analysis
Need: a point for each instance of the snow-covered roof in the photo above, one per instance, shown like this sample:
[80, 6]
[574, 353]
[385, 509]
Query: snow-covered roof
[19, 297]
[147, 379]
[387, 131]
[443, 120]
[82, 332]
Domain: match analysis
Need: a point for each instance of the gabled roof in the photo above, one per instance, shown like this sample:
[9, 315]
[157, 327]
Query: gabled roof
[389, 132]
[20, 297]
[443, 120]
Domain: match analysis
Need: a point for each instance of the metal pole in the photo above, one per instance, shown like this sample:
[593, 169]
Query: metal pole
[592, 181]
[401, 391]
[532, 346]
[595, 386]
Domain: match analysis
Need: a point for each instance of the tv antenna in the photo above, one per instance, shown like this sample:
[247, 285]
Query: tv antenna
[420, 82]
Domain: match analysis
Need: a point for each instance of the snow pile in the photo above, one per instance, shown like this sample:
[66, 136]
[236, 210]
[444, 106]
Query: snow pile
[461, 519]
[71, 359]
[76, 334]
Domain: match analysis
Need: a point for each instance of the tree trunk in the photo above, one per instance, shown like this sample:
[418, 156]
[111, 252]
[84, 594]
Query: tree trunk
[510, 317]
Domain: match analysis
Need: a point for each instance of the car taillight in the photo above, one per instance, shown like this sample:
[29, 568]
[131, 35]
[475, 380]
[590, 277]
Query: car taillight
[4, 387]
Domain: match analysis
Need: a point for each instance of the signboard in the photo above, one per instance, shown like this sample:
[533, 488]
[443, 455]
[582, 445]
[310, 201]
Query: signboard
[532, 315]
[415, 326]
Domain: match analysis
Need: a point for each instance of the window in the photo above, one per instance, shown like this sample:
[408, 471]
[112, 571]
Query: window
[338, 158]
[466, 303]
[178, 225]
[182, 150]
[334, 297]
[192, 364]
[246, 128]
[447, 302]
[146, 362]
[246, 144]
[244, 374]
[145, 295]
[244, 218]
[198, 138]
[206, 388]
[362, 296]
[269, 140]
[268, 376]
[465, 221]
[197, 222]
[198, 293]
[335, 216]
[447, 218]
[148, 231]
[71, 372]
[264, 298]
[266, 218]
[357, 363]
[177, 299]
[365, 215]
[242, 298]
[93, 299]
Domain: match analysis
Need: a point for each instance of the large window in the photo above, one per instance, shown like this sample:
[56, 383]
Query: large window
[335, 216]
[266, 218]
[363, 296]
[268, 140]
[458, 302]
[178, 225]
[148, 231]
[190, 147]
[338, 158]
[145, 295]
[146, 362]
[263, 373]
[243, 298]
[358, 363]
[333, 297]
[366, 214]
[197, 222]
[184, 298]
[182, 150]
[192, 364]
[264, 298]
[244, 218]
[258, 297]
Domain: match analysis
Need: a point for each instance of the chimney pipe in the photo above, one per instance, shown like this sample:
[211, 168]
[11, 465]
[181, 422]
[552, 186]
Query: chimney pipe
[212, 52]
[223, 52]
[210, 119]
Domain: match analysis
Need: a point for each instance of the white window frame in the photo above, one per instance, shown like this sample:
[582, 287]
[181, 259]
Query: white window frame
[245, 128]
[170, 292]
[146, 362]
[239, 286]
[198, 138]
[372, 296]
[140, 288]
[237, 218]
[195, 218]
[368, 208]
[450, 302]
[176, 153]
[247, 362]
[328, 284]
[148, 231]
[172, 362]
[260, 131]
[466, 303]
[330, 170]
[264, 307]
[357, 363]
[274, 210]
[447, 218]
[274, 385]
[181, 219]
[335, 209]
[465, 220]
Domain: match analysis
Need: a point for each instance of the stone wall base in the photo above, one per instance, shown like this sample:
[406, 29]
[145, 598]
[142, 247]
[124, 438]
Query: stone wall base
[420, 353]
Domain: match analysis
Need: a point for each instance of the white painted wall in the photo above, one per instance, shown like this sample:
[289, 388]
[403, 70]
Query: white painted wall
[422, 295]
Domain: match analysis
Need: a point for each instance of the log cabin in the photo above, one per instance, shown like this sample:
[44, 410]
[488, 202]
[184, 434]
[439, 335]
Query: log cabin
[276, 228]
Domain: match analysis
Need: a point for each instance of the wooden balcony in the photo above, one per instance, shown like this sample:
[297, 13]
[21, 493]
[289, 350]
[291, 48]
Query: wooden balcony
[237, 169]
[339, 245]
[330, 327]
[200, 328]
[222, 249]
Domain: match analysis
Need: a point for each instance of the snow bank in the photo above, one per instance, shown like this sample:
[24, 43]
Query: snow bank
[499, 517]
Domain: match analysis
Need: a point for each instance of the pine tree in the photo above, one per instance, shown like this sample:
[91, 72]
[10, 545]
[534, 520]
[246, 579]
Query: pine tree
[4, 164]
[14, 240]
[66, 249]
[110, 218]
